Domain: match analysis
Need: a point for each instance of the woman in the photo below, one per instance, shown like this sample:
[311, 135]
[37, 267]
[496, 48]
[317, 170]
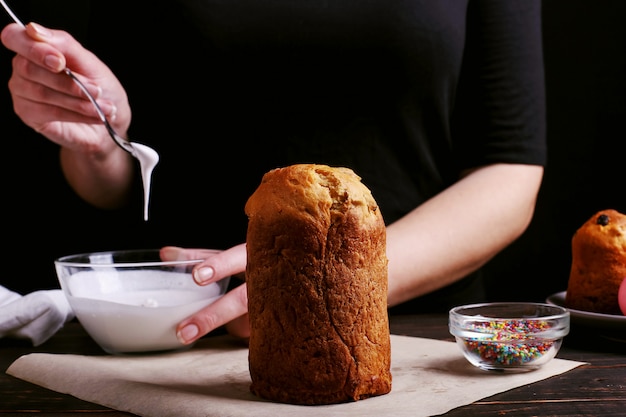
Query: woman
[438, 106]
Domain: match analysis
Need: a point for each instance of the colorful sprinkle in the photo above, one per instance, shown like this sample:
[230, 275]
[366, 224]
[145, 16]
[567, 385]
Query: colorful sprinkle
[511, 342]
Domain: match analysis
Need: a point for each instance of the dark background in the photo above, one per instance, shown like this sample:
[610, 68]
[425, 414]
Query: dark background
[585, 80]
[585, 50]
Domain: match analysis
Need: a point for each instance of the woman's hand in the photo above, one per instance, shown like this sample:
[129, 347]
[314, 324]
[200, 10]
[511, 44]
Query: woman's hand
[231, 309]
[49, 101]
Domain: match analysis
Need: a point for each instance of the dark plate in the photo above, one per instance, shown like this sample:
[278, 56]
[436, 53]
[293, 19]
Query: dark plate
[609, 325]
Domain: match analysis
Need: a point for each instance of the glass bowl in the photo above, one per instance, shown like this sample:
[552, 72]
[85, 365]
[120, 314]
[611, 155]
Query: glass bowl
[509, 336]
[131, 300]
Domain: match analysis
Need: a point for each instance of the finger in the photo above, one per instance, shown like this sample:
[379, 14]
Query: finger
[44, 108]
[227, 263]
[27, 70]
[41, 87]
[217, 264]
[42, 116]
[175, 253]
[75, 56]
[230, 306]
[72, 52]
[54, 50]
[38, 51]
[239, 327]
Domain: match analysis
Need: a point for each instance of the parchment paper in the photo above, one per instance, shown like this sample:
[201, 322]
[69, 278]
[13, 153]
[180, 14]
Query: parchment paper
[211, 379]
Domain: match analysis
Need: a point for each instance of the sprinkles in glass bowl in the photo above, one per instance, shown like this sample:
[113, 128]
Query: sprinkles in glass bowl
[509, 336]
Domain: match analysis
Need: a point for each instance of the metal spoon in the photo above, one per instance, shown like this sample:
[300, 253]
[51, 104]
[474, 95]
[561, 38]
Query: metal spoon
[123, 143]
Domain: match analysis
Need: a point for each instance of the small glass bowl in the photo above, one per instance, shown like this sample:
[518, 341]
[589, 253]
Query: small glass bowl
[509, 336]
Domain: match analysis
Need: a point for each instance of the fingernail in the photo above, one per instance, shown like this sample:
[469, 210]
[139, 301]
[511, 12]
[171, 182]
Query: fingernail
[170, 253]
[94, 89]
[109, 109]
[188, 333]
[40, 30]
[203, 275]
[54, 62]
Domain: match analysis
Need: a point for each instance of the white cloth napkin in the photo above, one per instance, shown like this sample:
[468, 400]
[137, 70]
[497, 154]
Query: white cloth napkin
[35, 316]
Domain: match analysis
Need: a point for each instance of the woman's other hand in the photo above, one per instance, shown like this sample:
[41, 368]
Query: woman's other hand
[231, 309]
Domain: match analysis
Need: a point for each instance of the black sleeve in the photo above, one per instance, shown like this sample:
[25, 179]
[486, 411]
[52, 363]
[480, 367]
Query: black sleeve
[500, 109]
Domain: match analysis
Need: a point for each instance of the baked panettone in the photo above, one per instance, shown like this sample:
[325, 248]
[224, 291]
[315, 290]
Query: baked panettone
[598, 263]
[317, 288]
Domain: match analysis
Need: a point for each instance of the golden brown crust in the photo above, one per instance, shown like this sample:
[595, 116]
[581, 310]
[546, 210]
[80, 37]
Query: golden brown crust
[317, 288]
[598, 263]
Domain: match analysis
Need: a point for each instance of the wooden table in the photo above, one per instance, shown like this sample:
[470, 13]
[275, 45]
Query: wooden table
[591, 390]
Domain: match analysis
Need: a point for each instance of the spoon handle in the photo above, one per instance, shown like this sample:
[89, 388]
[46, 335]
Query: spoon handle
[13, 15]
[121, 142]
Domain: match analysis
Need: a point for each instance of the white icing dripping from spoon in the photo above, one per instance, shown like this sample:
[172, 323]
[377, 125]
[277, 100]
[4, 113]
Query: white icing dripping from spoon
[148, 158]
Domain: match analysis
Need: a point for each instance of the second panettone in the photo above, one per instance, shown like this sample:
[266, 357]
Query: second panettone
[598, 263]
